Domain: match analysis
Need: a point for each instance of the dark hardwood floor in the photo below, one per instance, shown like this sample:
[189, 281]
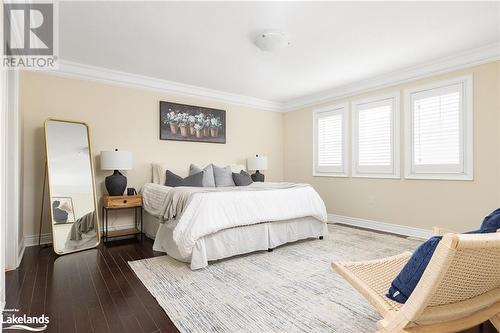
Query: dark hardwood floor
[89, 291]
[93, 290]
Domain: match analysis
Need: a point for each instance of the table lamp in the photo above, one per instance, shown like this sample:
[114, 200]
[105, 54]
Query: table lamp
[257, 163]
[116, 160]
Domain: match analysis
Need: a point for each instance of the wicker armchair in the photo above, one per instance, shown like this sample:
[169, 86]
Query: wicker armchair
[459, 289]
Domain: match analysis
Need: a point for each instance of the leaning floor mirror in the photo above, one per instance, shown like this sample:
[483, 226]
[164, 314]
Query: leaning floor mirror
[73, 205]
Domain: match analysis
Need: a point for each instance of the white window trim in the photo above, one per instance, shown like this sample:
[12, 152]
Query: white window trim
[467, 133]
[396, 133]
[341, 108]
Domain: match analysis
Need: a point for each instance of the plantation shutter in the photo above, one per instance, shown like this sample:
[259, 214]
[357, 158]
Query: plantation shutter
[330, 141]
[436, 129]
[374, 137]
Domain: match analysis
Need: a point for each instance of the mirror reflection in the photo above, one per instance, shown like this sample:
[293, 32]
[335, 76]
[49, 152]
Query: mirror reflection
[72, 197]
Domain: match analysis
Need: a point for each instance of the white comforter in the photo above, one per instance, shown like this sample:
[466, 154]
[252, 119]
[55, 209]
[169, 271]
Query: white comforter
[209, 212]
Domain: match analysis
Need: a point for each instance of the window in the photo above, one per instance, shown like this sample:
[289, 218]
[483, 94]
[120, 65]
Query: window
[330, 141]
[439, 130]
[375, 137]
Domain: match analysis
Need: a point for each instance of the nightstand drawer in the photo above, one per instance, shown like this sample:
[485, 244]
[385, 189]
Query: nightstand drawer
[123, 201]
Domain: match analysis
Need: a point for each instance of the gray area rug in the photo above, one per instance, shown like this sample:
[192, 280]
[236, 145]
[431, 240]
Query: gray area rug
[292, 289]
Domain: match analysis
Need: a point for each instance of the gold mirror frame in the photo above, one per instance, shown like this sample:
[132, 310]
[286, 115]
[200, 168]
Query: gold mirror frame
[98, 225]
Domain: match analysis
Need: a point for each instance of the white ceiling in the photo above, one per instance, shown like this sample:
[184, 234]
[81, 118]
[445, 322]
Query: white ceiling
[209, 44]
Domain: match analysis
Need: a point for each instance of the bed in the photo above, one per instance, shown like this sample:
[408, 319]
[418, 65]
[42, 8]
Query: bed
[198, 225]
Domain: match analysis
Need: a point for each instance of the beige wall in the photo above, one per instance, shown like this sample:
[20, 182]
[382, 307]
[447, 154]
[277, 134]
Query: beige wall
[127, 119]
[460, 205]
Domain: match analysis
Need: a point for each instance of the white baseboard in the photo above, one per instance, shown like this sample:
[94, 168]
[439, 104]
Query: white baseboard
[32, 240]
[332, 218]
[119, 227]
[20, 252]
[381, 226]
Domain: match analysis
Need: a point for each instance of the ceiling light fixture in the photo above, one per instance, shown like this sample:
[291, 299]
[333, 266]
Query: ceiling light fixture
[272, 41]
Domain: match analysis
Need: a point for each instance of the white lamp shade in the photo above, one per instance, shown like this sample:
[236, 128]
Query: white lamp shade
[116, 160]
[257, 163]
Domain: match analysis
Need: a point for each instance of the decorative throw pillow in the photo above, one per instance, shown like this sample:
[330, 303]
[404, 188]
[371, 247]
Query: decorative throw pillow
[223, 176]
[173, 180]
[208, 174]
[242, 178]
[406, 281]
[491, 223]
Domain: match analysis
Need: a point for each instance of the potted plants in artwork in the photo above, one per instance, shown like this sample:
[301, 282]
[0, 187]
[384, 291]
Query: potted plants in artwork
[199, 125]
[171, 119]
[183, 123]
[192, 123]
[215, 124]
[198, 130]
[206, 126]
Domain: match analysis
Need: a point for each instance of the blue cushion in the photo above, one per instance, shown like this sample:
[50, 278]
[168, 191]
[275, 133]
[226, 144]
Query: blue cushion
[406, 281]
[404, 284]
[491, 223]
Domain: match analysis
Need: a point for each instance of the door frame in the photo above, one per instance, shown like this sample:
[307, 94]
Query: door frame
[11, 170]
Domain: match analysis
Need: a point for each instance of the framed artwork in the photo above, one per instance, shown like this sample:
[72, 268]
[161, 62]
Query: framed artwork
[62, 210]
[181, 122]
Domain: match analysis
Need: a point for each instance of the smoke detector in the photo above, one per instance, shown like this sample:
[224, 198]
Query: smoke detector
[272, 41]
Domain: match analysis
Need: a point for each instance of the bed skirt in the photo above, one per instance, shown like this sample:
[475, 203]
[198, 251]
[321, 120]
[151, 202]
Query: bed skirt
[234, 241]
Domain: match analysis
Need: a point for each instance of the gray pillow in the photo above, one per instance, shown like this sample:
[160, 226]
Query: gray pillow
[208, 174]
[223, 176]
[173, 180]
[242, 178]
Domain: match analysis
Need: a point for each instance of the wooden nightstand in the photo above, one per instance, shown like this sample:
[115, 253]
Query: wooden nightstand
[122, 202]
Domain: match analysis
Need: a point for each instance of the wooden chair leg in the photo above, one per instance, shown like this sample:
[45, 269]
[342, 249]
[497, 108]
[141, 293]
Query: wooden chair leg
[397, 330]
[392, 324]
[496, 321]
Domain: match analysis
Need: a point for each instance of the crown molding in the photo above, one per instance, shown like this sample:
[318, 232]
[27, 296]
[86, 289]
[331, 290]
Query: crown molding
[461, 60]
[104, 75]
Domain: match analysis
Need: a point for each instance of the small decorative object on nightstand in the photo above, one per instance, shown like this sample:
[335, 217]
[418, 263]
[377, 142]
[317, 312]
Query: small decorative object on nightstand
[122, 202]
[116, 160]
[257, 163]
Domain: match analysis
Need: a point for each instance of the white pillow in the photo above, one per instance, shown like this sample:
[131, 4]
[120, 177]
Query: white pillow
[236, 168]
[156, 167]
[160, 169]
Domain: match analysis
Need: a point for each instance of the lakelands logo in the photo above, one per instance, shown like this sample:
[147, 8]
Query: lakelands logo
[13, 321]
[29, 35]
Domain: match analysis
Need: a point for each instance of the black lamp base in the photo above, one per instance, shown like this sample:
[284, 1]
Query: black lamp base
[116, 183]
[258, 177]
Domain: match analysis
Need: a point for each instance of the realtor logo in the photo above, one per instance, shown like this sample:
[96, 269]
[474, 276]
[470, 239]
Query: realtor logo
[29, 33]
[13, 320]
